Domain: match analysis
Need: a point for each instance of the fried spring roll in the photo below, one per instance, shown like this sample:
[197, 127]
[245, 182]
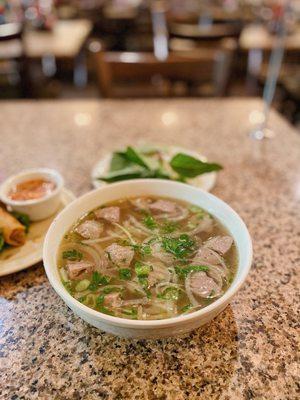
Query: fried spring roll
[13, 231]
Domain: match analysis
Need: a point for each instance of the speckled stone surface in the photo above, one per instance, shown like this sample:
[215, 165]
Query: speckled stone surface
[250, 351]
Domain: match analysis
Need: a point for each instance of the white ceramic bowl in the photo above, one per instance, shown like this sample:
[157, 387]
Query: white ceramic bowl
[36, 209]
[147, 187]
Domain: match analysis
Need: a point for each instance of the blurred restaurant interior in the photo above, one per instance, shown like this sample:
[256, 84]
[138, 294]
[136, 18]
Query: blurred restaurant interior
[54, 49]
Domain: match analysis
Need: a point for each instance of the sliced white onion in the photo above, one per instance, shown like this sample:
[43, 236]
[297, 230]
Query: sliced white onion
[125, 231]
[133, 302]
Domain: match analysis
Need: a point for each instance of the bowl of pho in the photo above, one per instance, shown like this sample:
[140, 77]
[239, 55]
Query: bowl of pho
[147, 258]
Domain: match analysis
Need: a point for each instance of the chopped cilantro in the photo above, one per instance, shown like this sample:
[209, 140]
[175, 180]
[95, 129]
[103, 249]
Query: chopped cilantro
[98, 279]
[100, 300]
[169, 227]
[186, 308]
[125, 274]
[72, 255]
[105, 310]
[180, 247]
[149, 222]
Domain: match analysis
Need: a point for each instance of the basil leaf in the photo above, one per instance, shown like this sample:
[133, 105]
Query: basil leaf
[118, 162]
[191, 167]
[126, 173]
[135, 157]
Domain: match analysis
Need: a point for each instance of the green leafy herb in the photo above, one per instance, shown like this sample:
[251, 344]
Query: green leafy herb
[97, 280]
[134, 156]
[82, 299]
[180, 247]
[125, 274]
[105, 310]
[169, 227]
[68, 287]
[186, 308]
[124, 174]
[143, 281]
[131, 312]
[170, 293]
[72, 255]
[149, 222]
[119, 161]
[100, 300]
[1, 242]
[142, 270]
[190, 167]
[184, 271]
[23, 219]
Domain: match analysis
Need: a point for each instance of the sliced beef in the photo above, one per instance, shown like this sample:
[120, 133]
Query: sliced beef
[220, 244]
[113, 300]
[76, 269]
[120, 255]
[207, 256]
[203, 285]
[90, 229]
[110, 214]
[163, 206]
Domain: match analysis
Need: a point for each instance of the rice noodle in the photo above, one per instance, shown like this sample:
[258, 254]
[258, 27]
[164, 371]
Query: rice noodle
[135, 230]
[138, 225]
[126, 232]
[175, 217]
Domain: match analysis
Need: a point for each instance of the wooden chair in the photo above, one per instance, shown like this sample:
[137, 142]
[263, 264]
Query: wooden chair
[13, 62]
[195, 68]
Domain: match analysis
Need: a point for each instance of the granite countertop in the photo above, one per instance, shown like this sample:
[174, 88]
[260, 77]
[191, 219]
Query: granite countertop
[250, 350]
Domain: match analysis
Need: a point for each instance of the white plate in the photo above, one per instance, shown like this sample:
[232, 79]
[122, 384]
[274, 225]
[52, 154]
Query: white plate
[205, 182]
[17, 258]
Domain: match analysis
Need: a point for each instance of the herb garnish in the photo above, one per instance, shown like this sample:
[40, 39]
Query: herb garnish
[72, 255]
[180, 247]
[184, 271]
[97, 280]
[125, 274]
[133, 163]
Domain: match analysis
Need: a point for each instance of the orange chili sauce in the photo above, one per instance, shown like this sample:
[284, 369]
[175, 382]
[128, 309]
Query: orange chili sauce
[31, 189]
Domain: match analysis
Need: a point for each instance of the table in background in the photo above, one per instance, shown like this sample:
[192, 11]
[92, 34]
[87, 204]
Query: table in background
[249, 351]
[63, 41]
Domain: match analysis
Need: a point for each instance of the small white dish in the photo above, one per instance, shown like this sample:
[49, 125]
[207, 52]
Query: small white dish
[37, 209]
[148, 187]
[15, 259]
[205, 182]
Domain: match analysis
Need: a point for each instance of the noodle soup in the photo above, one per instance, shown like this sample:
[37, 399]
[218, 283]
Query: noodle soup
[147, 258]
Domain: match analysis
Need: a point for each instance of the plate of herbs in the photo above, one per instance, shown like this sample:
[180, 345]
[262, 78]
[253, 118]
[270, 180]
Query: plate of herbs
[161, 162]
